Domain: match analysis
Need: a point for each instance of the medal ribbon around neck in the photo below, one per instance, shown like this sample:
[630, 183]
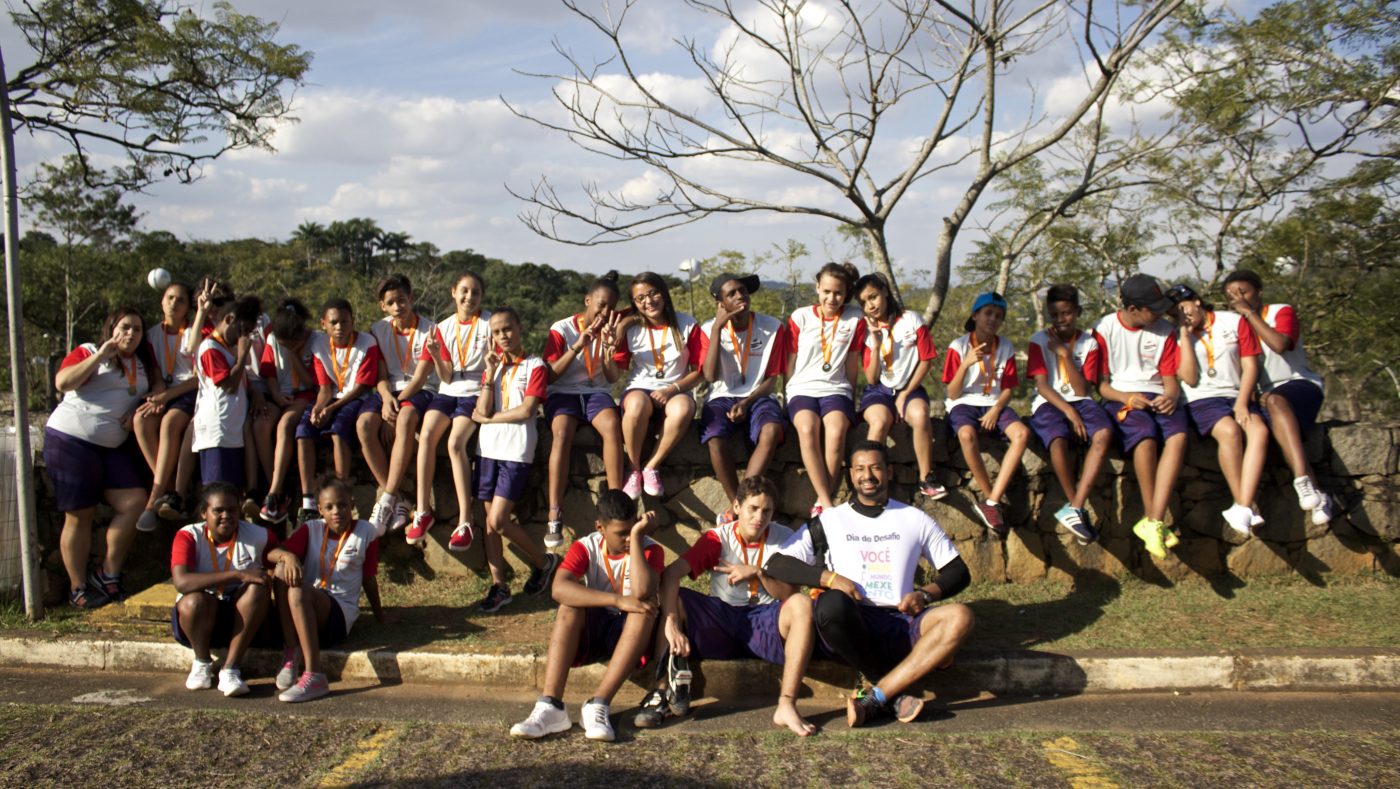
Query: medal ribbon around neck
[324, 569]
[744, 551]
[1208, 342]
[590, 352]
[741, 355]
[130, 373]
[622, 573]
[827, 348]
[887, 343]
[1065, 387]
[407, 355]
[341, 369]
[658, 355]
[982, 362]
[172, 353]
[507, 379]
[214, 554]
[464, 346]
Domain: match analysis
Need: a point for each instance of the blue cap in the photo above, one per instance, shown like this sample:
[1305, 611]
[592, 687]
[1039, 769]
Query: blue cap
[990, 297]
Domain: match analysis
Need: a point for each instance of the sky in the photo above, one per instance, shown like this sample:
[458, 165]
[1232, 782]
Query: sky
[402, 120]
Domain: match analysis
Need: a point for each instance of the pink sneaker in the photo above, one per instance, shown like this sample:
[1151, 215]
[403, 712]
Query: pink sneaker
[418, 528]
[461, 538]
[651, 482]
[633, 488]
[816, 510]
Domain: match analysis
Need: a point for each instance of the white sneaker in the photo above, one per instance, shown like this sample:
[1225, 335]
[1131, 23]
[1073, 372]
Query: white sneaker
[1255, 519]
[382, 514]
[231, 682]
[1308, 497]
[597, 722]
[1239, 518]
[201, 676]
[402, 514]
[1322, 515]
[544, 719]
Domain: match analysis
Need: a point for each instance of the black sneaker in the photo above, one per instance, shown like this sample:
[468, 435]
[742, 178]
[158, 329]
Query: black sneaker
[678, 677]
[171, 507]
[109, 585]
[653, 711]
[931, 488]
[306, 514]
[497, 597]
[87, 598]
[861, 708]
[274, 508]
[541, 576]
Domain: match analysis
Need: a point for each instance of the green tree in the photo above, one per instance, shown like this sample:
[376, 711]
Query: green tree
[169, 85]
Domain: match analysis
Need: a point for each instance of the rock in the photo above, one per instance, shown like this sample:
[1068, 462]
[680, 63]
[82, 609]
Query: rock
[1284, 522]
[1377, 517]
[984, 558]
[796, 492]
[699, 503]
[1361, 449]
[1201, 453]
[1199, 559]
[1025, 562]
[1204, 518]
[1034, 462]
[1109, 557]
[1256, 558]
[955, 515]
[1329, 554]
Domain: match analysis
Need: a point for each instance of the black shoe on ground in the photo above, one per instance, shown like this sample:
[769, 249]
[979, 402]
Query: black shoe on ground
[678, 678]
[110, 586]
[931, 488]
[274, 508]
[171, 507]
[87, 598]
[497, 597]
[654, 710]
[861, 708]
[541, 576]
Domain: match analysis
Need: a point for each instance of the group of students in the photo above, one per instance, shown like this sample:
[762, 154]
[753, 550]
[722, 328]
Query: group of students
[239, 394]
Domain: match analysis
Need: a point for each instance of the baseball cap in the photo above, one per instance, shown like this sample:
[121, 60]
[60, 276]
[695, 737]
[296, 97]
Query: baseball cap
[1143, 290]
[990, 298]
[750, 283]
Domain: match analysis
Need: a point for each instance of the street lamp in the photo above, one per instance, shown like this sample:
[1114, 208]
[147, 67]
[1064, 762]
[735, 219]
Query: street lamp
[691, 268]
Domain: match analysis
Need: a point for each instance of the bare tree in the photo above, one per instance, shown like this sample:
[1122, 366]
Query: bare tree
[815, 93]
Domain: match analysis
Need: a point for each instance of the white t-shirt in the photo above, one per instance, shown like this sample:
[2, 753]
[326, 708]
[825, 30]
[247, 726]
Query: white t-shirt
[218, 413]
[878, 554]
[588, 558]
[276, 365]
[175, 365]
[193, 550]
[343, 368]
[402, 352]
[984, 382]
[722, 545]
[816, 342]
[94, 411]
[1292, 364]
[514, 441]
[344, 566]
[763, 360]
[902, 347]
[1223, 341]
[642, 346]
[584, 374]
[1085, 354]
[468, 344]
[1137, 359]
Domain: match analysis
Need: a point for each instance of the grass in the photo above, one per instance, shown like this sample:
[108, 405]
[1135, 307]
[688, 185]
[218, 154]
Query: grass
[1282, 612]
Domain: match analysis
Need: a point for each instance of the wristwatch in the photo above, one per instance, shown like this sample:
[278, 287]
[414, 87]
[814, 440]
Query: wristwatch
[926, 596]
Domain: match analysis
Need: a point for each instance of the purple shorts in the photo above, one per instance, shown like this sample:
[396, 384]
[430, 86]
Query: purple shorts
[892, 633]
[374, 402]
[602, 628]
[1051, 425]
[222, 464]
[720, 631]
[971, 415]
[1206, 413]
[1306, 400]
[583, 407]
[1138, 425]
[184, 402]
[453, 406]
[822, 405]
[879, 394]
[81, 470]
[225, 613]
[715, 421]
[342, 423]
[504, 479]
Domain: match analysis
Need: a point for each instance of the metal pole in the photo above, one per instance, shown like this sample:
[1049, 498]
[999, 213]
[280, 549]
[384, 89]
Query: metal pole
[24, 457]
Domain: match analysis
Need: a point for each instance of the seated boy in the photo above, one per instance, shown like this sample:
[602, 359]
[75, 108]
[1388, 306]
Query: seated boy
[606, 590]
[217, 567]
[740, 617]
[320, 570]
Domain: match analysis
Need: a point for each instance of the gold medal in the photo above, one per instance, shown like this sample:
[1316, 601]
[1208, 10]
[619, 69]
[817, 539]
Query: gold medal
[1064, 389]
[826, 367]
[1211, 372]
[753, 599]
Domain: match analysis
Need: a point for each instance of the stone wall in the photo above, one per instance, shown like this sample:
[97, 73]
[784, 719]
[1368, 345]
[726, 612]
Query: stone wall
[1356, 462]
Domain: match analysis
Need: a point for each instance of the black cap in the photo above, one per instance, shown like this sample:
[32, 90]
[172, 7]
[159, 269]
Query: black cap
[1143, 290]
[750, 283]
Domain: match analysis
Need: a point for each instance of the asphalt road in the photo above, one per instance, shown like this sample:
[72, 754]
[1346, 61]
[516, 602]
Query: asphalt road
[147, 730]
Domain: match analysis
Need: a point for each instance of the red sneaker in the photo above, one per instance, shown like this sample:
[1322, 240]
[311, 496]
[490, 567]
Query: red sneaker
[418, 529]
[461, 538]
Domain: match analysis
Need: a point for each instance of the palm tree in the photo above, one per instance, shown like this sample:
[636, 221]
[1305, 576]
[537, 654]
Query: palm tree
[313, 238]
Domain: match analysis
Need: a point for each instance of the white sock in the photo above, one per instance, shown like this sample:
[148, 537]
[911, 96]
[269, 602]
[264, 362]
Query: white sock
[308, 503]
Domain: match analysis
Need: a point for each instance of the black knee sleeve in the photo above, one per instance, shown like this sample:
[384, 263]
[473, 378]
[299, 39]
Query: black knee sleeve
[839, 622]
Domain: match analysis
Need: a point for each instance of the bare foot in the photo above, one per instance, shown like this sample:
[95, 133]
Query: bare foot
[787, 715]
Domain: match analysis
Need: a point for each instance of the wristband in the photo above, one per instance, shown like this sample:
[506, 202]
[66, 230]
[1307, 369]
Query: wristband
[926, 596]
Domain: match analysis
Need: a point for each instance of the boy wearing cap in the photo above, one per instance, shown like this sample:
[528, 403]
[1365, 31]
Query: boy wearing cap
[742, 364]
[980, 373]
[1140, 391]
[1292, 392]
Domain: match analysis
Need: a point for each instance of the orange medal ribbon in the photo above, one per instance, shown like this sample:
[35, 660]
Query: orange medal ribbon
[464, 347]
[506, 381]
[171, 352]
[827, 348]
[214, 555]
[1208, 342]
[744, 550]
[887, 343]
[590, 355]
[658, 355]
[341, 369]
[987, 379]
[322, 568]
[407, 355]
[1065, 387]
[741, 355]
[607, 567]
[130, 374]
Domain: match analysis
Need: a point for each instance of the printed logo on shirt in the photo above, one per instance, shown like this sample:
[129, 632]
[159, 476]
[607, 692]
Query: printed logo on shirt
[1148, 351]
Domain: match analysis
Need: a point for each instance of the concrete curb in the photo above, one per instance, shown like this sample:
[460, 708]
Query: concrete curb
[1009, 673]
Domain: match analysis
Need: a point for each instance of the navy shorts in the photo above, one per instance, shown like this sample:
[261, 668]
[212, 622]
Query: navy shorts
[225, 614]
[342, 423]
[184, 402]
[715, 421]
[333, 631]
[1206, 413]
[374, 403]
[453, 406]
[971, 415]
[583, 407]
[504, 479]
[1051, 425]
[879, 394]
[1306, 400]
[222, 464]
[81, 470]
[720, 631]
[602, 628]
[1136, 425]
[821, 405]
[892, 633]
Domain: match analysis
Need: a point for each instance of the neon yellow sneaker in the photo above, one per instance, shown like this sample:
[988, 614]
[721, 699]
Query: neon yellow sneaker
[1169, 538]
[1150, 532]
